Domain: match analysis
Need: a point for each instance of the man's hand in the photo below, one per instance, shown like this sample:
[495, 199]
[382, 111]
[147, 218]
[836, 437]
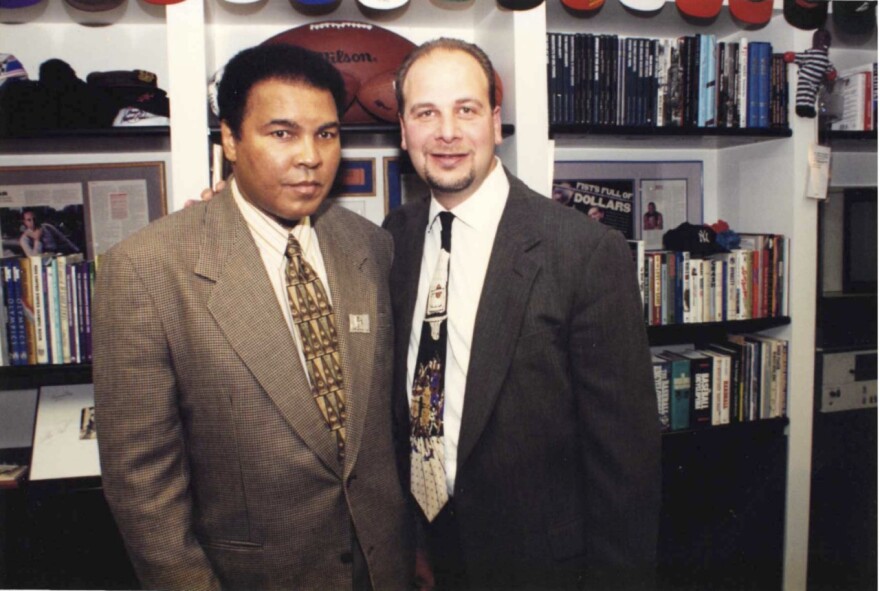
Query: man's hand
[207, 194]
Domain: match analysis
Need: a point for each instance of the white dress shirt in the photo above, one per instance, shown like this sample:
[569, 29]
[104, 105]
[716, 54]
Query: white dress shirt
[271, 239]
[473, 234]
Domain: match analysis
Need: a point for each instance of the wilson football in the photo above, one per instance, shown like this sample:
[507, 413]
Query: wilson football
[376, 95]
[361, 51]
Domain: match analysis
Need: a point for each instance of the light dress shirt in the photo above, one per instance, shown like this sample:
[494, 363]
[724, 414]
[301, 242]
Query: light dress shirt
[473, 233]
[271, 239]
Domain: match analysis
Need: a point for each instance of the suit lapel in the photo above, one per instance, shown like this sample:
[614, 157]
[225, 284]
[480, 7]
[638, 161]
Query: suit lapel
[512, 269]
[244, 306]
[352, 293]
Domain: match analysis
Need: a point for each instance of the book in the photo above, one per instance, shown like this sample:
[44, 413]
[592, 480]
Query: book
[37, 266]
[680, 393]
[637, 249]
[701, 388]
[854, 87]
[721, 365]
[743, 82]
[662, 385]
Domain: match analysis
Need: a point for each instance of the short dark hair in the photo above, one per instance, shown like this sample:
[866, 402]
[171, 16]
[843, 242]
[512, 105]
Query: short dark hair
[447, 44]
[289, 63]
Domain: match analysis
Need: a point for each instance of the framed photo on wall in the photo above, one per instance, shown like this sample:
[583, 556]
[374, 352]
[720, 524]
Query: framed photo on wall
[82, 208]
[641, 199]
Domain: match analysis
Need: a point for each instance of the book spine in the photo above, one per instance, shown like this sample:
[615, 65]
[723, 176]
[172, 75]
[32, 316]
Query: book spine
[39, 309]
[680, 399]
[701, 382]
[743, 94]
[662, 387]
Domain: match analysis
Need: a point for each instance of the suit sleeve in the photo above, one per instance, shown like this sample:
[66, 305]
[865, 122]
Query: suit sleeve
[144, 468]
[619, 425]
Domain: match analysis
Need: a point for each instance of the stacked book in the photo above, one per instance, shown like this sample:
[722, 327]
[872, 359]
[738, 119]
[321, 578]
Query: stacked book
[691, 81]
[46, 306]
[742, 379]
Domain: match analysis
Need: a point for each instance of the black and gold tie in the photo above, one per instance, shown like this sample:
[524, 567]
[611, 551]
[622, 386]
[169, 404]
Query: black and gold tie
[313, 318]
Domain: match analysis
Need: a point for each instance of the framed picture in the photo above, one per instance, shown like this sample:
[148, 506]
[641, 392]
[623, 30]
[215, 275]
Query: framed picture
[641, 199]
[357, 176]
[65, 440]
[77, 208]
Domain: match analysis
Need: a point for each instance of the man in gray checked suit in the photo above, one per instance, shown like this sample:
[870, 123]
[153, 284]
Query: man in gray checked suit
[242, 369]
[550, 447]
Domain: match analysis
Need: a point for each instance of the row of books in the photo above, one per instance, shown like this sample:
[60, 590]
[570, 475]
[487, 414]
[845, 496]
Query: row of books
[856, 91]
[47, 308]
[691, 81]
[745, 283]
[742, 379]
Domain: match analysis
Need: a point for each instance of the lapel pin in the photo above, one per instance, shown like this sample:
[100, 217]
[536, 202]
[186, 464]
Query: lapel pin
[359, 323]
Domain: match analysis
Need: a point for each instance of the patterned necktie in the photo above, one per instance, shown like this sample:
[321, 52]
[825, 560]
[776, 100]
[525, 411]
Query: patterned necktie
[313, 317]
[428, 474]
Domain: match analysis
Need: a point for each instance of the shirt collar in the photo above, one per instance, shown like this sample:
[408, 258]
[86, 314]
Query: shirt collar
[270, 231]
[482, 210]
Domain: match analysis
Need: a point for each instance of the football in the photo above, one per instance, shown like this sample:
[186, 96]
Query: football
[362, 52]
[376, 95]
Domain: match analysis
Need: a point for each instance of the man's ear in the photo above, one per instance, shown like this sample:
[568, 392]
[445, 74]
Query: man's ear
[228, 141]
[402, 132]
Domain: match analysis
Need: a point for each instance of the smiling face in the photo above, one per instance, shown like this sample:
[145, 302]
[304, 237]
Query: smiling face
[448, 126]
[287, 153]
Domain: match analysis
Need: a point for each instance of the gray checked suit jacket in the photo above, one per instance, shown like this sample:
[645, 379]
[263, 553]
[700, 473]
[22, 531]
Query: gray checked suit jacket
[216, 463]
[558, 477]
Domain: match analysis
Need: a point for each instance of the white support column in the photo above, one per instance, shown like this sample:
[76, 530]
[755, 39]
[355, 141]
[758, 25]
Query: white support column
[516, 41]
[188, 97]
[802, 290]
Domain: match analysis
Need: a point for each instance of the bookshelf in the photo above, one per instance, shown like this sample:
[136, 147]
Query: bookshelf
[753, 179]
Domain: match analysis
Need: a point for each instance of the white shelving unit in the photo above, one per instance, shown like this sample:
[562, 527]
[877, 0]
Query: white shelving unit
[756, 187]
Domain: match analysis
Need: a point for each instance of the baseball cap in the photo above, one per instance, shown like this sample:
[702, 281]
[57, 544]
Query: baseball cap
[95, 5]
[805, 14]
[699, 8]
[644, 5]
[696, 239]
[583, 4]
[18, 3]
[855, 17]
[753, 12]
[520, 4]
[314, 7]
[383, 4]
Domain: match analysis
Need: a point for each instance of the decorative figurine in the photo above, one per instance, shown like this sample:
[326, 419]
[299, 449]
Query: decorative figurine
[814, 68]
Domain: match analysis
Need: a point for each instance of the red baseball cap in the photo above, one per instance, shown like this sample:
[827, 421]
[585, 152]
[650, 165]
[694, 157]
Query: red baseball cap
[699, 8]
[583, 4]
[753, 12]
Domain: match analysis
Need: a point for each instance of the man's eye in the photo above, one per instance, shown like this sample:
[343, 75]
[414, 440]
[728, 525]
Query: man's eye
[424, 114]
[281, 134]
[328, 134]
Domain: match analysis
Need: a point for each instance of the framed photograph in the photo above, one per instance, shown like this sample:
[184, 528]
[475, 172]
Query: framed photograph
[641, 199]
[357, 176]
[65, 440]
[77, 208]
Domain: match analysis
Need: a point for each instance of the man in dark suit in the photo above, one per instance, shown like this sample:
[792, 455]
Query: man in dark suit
[242, 375]
[540, 468]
